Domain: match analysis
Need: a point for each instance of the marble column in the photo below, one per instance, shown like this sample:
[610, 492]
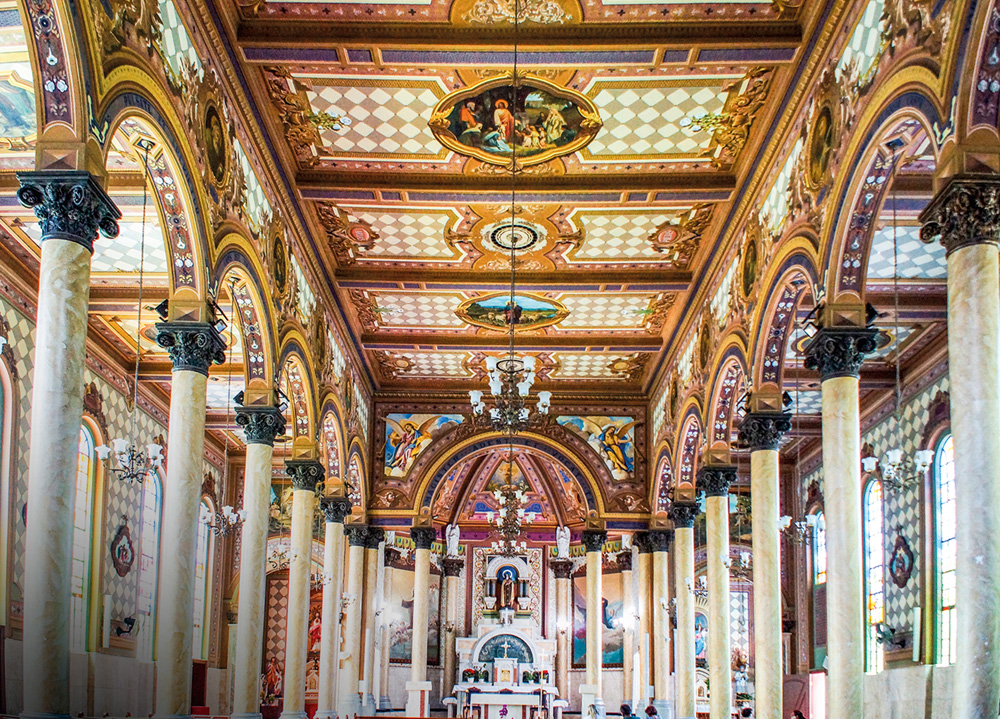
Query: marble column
[71, 208]
[348, 697]
[592, 691]
[193, 346]
[659, 542]
[715, 481]
[646, 601]
[562, 570]
[837, 352]
[762, 432]
[965, 218]
[452, 569]
[335, 510]
[260, 426]
[624, 561]
[418, 688]
[391, 558]
[305, 474]
[375, 537]
[683, 515]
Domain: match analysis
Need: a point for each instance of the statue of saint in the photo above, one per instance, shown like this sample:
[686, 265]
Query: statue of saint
[562, 542]
[507, 593]
[451, 535]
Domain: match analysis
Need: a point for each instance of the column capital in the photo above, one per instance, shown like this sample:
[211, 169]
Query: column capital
[624, 561]
[336, 509]
[660, 539]
[839, 351]
[594, 539]
[642, 543]
[715, 479]
[191, 345]
[305, 473]
[965, 212]
[683, 514]
[357, 534]
[260, 424]
[70, 205]
[423, 537]
[376, 535]
[562, 568]
[452, 566]
[764, 430]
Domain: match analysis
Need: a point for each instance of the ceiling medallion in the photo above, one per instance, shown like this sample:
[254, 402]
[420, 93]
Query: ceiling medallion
[518, 237]
[493, 312]
[547, 121]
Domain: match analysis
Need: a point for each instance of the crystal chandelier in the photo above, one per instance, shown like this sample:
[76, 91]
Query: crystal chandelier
[510, 516]
[510, 377]
[134, 464]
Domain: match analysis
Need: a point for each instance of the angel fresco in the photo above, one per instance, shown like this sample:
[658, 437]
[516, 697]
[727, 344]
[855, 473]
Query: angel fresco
[611, 437]
[406, 435]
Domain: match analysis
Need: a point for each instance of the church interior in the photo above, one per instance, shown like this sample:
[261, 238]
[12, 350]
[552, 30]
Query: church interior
[500, 359]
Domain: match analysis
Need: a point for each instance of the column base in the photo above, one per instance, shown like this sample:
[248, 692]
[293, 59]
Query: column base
[325, 714]
[369, 703]
[293, 715]
[418, 699]
[246, 716]
[591, 703]
[384, 703]
[350, 706]
[664, 708]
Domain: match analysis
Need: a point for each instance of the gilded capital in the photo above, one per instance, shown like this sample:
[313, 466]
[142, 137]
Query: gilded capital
[764, 430]
[336, 509]
[965, 212]
[423, 537]
[594, 539]
[683, 514]
[305, 473]
[192, 345]
[839, 351]
[260, 424]
[715, 479]
[70, 205]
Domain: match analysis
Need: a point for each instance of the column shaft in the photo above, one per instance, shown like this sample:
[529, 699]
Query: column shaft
[348, 698]
[720, 674]
[766, 583]
[371, 582]
[336, 510]
[661, 638]
[628, 631]
[594, 635]
[646, 602]
[451, 586]
[384, 701]
[297, 617]
[250, 609]
[421, 590]
[684, 570]
[562, 570]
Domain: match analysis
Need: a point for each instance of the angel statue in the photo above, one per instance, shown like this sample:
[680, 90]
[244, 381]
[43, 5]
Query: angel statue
[451, 535]
[562, 542]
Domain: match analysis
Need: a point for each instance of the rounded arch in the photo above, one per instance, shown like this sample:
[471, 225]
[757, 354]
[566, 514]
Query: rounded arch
[578, 468]
[252, 311]
[331, 439]
[355, 475]
[728, 386]
[688, 445]
[296, 381]
[663, 480]
[178, 195]
[909, 117]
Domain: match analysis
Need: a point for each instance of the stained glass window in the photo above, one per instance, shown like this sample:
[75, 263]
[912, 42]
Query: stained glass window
[203, 550]
[819, 550]
[874, 571]
[945, 524]
[82, 510]
[149, 548]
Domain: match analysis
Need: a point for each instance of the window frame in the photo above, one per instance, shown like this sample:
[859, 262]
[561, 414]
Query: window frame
[200, 653]
[936, 580]
[874, 651]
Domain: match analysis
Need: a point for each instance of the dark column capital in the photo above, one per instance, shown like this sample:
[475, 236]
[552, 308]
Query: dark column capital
[641, 542]
[839, 351]
[683, 514]
[764, 430]
[191, 345]
[715, 479]
[260, 424]
[660, 539]
[452, 566]
[562, 568]
[305, 473]
[70, 205]
[423, 537]
[624, 560]
[594, 539]
[965, 212]
[357, 534]
[375, 537]
[336, 509]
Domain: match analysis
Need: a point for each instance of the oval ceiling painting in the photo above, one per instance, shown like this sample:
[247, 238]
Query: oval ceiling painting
[530, 312]
[492, 122]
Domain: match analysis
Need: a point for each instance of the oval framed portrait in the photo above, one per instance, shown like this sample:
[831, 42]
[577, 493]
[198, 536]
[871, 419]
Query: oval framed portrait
[215, 137]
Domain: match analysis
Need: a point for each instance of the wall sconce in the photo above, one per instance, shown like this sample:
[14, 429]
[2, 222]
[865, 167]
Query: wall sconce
[562, 626]
[886, 635]
[800, 532]
[702, 591]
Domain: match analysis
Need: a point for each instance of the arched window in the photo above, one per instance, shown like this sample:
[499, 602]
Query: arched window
[149, 547]
[945, 518]
[819, 549]
[83, 509]
[874, 572]
[202, 577]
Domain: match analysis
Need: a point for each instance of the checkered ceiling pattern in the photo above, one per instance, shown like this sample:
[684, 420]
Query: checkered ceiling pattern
[620, 236]
[587, 365]
[122, 254]
[413, 234]
[443, 363]
[913, 258]
[609, 310]
[419, 310]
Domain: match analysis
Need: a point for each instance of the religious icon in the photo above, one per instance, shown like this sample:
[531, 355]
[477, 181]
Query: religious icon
[406, 436]
[214, 136]
[749, 269]
[506, 588]
[901, 562]
[279, 268]
[122, 553]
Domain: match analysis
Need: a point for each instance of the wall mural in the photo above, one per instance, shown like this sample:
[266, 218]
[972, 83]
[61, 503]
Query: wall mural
[400, 616]
[612, 609]
[407, 435]
[530, 312]
[701, 638]
[611, 437]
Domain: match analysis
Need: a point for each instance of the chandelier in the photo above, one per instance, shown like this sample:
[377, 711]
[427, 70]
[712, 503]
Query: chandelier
[510, 516]
[799, 531]
[134, 464]
[510, 377]
[222, 522]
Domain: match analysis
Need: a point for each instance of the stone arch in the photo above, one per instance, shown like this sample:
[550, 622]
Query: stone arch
[866, 184]
[688, 445]
[728, 386]
[331, 439]
[253, 313]
[296, 382]
[663, 480]
[978, 103]
[355, 475]
[177, 193]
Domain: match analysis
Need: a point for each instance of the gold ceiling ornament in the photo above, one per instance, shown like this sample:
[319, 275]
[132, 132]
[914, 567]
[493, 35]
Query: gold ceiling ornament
[345, 236]
[903, 19]
[681, 238]
[301, 123]
[549, 121]
[785, 5]
[502, 12]
[630, 367]
[134, 22]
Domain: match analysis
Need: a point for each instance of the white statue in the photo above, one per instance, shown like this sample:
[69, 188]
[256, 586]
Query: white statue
[562, 542]
[451, 535]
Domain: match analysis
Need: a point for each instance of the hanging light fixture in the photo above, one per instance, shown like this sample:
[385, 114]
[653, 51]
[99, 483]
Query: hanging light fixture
[742, 567]
[799, 531]
[133, 465]
[510, 516]
[891, 471]
[510, 377]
